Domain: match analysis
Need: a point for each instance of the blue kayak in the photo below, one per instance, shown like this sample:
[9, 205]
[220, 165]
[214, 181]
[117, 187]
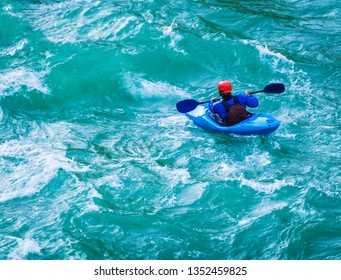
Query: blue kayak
[258, 123]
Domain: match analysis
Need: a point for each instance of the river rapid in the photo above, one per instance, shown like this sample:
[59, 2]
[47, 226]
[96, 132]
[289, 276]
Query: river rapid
[97, 163]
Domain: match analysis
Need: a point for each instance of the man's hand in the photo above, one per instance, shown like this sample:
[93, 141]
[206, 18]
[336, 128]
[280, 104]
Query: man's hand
[248, 92]
[215, 99]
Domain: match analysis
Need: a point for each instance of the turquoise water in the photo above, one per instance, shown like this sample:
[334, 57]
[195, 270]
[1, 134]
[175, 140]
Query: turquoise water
[96, 162]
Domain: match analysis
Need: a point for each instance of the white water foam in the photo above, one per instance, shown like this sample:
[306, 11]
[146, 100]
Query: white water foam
[82, 21]
[224, 171]
[175, 30]
[279, 62]
[267, 186]
[32, 162]
[143, 88]
[15, 80]
[175, 38]
[9, 9]
[28, 168]
[264, 50]
[191, 194]
[25, 247]
[299, 80]
[262, 159]
[261, 210]
[11, 51]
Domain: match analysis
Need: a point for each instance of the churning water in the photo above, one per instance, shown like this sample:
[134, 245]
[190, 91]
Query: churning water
[96, 162]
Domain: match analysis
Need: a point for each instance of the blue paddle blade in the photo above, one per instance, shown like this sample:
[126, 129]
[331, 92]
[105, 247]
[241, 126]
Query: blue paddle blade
[274, 88]
[188, 105]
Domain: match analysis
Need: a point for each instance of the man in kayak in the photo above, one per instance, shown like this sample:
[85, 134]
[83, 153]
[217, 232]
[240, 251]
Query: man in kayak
[230, 109]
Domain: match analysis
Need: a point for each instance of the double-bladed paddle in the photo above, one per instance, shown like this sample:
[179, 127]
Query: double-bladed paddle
[188, 105]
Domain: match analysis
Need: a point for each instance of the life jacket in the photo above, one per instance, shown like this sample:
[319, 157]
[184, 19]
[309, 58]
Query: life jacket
[235, 113]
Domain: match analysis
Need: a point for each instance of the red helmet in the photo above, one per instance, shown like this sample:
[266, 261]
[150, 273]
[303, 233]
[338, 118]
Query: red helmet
[224, 87]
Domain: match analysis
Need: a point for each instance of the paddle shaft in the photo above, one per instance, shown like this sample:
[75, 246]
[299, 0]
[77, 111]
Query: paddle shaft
[190, 104]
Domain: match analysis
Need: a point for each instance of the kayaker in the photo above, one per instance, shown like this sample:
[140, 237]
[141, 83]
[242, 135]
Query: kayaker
[230, 109]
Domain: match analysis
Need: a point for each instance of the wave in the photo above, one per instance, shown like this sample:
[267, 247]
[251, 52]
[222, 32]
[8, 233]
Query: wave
[33, 161]
[139, 86]
[81, 21]
[11, 51]
[15, 80]
[25, 246]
